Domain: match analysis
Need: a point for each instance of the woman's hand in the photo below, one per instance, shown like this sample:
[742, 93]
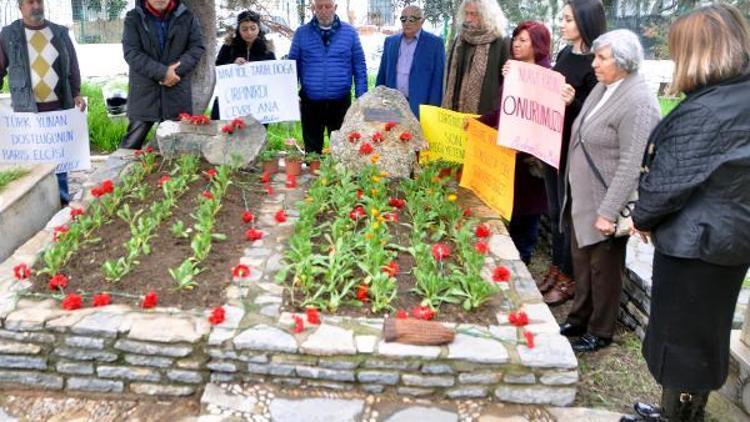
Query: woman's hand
[506, 69]
[644, 236]
[240, 60]
[568, 93]
[605, 227]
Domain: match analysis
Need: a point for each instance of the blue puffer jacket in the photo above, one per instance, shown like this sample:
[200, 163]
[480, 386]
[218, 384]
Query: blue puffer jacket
[325, 73]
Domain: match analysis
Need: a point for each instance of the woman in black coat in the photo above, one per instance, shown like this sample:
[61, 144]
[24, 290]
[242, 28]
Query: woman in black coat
[246, 44]
[694, 199]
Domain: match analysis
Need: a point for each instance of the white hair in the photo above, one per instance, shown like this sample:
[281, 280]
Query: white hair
[626, 48]
[492, 15]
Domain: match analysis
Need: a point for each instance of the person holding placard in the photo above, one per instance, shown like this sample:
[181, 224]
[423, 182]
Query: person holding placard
[608, 140]
[247, 43]
[42, 68]
[582, 22]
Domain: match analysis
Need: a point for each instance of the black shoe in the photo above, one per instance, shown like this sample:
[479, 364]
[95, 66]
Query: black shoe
[647, 411]
[572, 330]
[590, 343]
[631, 418]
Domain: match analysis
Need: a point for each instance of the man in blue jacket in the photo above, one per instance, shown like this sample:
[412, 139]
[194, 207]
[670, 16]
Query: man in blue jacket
[413, 62]
[328, 54]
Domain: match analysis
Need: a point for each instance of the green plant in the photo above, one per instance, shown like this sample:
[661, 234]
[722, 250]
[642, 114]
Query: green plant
[312, 156]
[10, 175]
[268, 154]
[105, 133]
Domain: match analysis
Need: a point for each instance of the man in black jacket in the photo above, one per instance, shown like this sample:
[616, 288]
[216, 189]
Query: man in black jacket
[162, 43]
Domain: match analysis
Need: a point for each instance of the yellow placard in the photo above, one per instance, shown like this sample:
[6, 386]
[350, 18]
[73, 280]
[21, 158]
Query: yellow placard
[444, 131]
[489, 169]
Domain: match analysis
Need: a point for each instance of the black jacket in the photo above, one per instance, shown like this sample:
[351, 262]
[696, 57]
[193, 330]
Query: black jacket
[694, 194]
[147, 99]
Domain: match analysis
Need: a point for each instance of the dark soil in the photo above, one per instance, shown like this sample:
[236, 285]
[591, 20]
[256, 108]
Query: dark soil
[84, 269]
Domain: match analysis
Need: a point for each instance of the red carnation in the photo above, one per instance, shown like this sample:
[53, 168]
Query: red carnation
[57, 282]
[299, 324]
[362, 291]
[248, 217]
[280, 216]
[266, 177]
[357, 213]
[397, 203]
[389, 126]
[97, 192]
[269, 189]
[359, 193]
[72, 301]
[291, 181]
[482, 230]
[392, 269]
[163, 180]
[401, 314]
[21, 271]
[468, 212]
[313, 317]
[518, 319]
[210, 173]
[184, 116]
[365, 149]
[75, 212]
[228, 129]
[218, 315]
[208, 195]
[149, 150]
[405, 137]
[423, 312]
[150, 300]
[240, 271]
[102, 299]
[239, 123]
[377, 137]
[500, 273]
[108, 186]
[529, 339]
[481, 247]
[354, 137]
[253, 235]
[391, 216]
[440, 251]
[58, 233]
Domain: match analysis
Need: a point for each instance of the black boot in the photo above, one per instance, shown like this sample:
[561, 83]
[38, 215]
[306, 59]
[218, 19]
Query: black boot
[136, 134]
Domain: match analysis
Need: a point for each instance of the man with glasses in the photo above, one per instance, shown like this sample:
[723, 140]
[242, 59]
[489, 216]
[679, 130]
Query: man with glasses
[413, 62]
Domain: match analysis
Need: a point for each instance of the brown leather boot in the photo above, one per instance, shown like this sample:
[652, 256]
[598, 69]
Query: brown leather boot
[549, 280]
[563, 291]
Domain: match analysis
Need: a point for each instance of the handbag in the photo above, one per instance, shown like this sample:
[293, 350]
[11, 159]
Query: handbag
[624, 222]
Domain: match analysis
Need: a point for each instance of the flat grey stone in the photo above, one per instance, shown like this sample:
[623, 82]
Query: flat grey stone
[372, 388]
[222, 366]
[420, 413]
[339, 363]
[436, 369]
[330, 340]
[559, 378]
[502, 247]
[105, 324]
[468, 392]
[254, 358]
[15, 348]
[26, 336]
[197, 362]
[414, 391]
[428, 380]
[23, 362]
[85, 342]
[85, 354]
[77, 368]
[550, 351]
[476, 349]
[480, 377]
[517, 378]
[268, 299]
[128, 372]
[257, 368]
[280, 370]
[271, 311]
[406, 350]
[34, 379]
[217, 396]
[171, 329]
[222, 354]
[536, 395]
[266, 338]
[144, 348]
[219, 335]
[365, 344]
[161, 390]
[188, 377]
[571, 414]
[95, 385]
[154, 361]
[402, 365]
[326, 374]
[29, 319]
[378, 377]
[316, 410]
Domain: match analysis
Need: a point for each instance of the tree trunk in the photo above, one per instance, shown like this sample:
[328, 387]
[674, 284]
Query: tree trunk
[203, 78]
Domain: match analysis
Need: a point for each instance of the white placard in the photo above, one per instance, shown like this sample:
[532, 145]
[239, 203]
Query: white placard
[267, 90]
[60, 137]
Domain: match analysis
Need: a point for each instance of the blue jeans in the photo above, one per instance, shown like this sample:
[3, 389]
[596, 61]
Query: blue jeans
[62, 183]
[554, 184]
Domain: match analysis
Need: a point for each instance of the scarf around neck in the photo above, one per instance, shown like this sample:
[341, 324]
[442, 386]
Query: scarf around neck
[161, 15]
[470, 91]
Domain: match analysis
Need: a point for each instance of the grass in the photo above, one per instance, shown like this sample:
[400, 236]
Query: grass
[8, 176]
[105, 134]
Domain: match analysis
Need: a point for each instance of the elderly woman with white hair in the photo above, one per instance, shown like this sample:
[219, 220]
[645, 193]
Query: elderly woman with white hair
[476, 57]
[607, 143]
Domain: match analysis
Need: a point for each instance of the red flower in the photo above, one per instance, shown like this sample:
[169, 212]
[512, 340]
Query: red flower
[184, 116]
[377, 137]
[108, 186]
[210, 173]
[228, 129]
[391, 216]
[102, 299]
[253, 235]
[72, 301]
[354, 137]
[389, 126]
[280, 216]
[518, 319]
[357, 213]
[299, 324]
[440, 251]
[75, 212]
[313, 317]
[241, 271]
[239, 123]
[365, 149]
[397, 203]
[97, 192]
[405, 137]
[266, 177]
[218, 315]
[291, 181]
[57, 282]
[362, 290]
[468, 212]
[269, 189]
[529, 339]
[401, 314]
[199, 119]
[500, 273]
[208, 195]
[481, 247]
[359, 193]
[423, 312]
[247, 217]
[58, 233]
[482, 230]
[150, 300]
[163, 180]
[392, 269]
[149, 150]
[21, 272]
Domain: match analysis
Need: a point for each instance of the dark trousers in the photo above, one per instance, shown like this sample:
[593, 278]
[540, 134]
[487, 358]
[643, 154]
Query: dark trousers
[524, 230]
[319, 115]
[136, 134]
[554, 185]
[62, 183]
[598, 270]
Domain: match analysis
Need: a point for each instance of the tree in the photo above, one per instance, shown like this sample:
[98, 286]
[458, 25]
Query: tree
[204, 77]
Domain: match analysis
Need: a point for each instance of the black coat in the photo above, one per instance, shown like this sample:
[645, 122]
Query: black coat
[694, 194]
[147, 99]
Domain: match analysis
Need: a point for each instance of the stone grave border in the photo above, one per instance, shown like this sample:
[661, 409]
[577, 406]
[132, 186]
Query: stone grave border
[171, 352]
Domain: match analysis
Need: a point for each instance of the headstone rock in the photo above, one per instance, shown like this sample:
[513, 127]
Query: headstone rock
[369, 116]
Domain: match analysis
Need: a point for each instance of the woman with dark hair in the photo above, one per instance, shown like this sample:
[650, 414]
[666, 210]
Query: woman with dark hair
[246, 44]
[582, 22]
[693, 198]
[530, 44]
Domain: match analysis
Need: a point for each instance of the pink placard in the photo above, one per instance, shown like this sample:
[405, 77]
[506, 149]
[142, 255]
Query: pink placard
[532, 111]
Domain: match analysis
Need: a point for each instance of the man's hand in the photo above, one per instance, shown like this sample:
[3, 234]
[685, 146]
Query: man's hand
[80, 103]
[171, 79]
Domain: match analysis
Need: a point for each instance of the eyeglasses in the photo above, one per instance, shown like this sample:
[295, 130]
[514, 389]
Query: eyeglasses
[411, 19]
